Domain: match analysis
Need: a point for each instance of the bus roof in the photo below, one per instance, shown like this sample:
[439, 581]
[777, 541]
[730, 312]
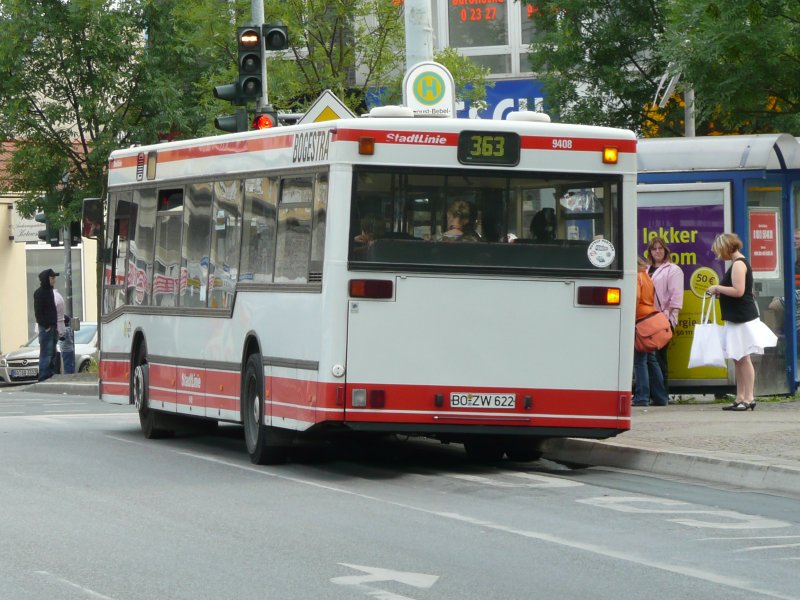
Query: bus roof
[413, 141]
[426, 124]
[719, 153]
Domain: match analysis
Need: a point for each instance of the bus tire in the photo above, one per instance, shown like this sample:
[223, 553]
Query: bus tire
[262, 450]
[151, 422]
[524, 449]
[484, 450]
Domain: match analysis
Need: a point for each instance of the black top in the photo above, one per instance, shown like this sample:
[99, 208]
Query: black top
[44, 302]
[738, 310]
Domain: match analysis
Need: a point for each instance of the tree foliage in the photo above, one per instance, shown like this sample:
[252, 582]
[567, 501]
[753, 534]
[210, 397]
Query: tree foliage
[595, 59]
[79, 78]
[742, 57]
[601, 63]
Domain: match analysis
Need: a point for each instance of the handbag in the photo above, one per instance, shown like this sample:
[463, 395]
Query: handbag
[707, 340]
[653, 332]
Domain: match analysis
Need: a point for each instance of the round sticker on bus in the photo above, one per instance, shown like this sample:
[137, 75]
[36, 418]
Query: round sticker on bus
[601, 253]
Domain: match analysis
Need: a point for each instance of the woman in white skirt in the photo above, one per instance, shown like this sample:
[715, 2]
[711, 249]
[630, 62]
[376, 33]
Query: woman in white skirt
[743, 333]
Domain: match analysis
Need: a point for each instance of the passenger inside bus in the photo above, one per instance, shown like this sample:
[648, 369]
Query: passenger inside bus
[543, 226]
[459, 226]
[371, 229]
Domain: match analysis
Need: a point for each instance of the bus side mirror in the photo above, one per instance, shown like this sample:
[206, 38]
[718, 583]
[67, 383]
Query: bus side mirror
[92, 218]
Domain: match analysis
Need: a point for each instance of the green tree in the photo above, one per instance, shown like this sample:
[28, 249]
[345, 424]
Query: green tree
[597, 62]
[79, 78]
[742, 57]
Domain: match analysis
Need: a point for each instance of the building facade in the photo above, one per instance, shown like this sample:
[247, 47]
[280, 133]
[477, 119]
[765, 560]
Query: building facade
[22, 257]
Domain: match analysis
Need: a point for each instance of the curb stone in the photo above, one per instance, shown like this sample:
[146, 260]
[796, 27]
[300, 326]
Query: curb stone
[730, 470]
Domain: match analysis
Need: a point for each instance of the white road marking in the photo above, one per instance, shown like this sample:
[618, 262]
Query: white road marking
[541, 481]
[74, 585]
[734, 520]
[374, 574]
[703, 575]
[749, 537]
[769, 547]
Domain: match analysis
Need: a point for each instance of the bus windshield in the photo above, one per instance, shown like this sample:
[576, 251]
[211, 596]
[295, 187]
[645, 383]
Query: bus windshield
[452, 220]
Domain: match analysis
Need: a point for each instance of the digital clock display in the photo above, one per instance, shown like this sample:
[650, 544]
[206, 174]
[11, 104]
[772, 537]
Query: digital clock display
[488, 148]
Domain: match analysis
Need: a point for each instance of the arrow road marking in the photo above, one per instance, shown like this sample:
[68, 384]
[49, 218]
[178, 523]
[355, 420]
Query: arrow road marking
[418, 580]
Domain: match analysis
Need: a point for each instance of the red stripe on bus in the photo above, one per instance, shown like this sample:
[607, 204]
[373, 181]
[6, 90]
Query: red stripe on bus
[423, 138]
[295, 398]
[274, 142]
[568, 144]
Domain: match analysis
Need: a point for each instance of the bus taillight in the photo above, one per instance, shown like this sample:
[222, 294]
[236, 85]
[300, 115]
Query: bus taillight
[371, 288]
[598, 296]
[377, 398]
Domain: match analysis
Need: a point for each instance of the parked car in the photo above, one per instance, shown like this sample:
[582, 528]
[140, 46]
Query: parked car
[23, 364]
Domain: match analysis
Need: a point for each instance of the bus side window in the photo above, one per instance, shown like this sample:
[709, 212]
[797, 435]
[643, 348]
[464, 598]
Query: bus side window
[318, 229]
[196, 245]
[293, 247]
[225, 237]
[116, 255]
[259, 225]
[142, 242]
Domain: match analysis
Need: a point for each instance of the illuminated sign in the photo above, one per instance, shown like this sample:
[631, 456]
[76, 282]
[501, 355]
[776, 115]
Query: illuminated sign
[488, 148]
[475, 23]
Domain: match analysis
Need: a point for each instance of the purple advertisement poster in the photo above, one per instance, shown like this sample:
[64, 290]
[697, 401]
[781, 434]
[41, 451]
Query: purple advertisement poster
[688, 230]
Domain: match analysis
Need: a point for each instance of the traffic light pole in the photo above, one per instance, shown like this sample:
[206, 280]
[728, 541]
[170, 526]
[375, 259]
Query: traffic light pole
[67, 235]
[257, 14]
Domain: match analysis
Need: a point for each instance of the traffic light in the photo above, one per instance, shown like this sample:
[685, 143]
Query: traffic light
[74, 233]
[265, 118]
[276, 37]
[233, 123]
[50, 233]
[251, 57]
[229, 92]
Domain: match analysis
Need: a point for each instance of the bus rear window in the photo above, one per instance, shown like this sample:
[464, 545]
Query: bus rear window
[455, 220]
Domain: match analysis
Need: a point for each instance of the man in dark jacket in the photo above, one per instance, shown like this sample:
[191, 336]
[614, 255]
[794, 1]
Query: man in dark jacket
[44, 307]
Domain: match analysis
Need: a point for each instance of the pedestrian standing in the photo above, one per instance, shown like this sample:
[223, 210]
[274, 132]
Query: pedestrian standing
[648, 382]
[67, 346]
[44, 308]
[743, 333]
[60, 323]
[668, 281]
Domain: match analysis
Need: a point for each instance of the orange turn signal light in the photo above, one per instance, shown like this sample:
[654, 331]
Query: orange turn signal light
[366, 146]
[610, 155]
[599, 296]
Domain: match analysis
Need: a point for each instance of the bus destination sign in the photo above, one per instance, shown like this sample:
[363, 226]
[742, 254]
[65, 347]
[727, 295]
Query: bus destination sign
[488, 148]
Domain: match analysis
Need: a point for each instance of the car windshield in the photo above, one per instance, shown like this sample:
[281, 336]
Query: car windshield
[84, 336]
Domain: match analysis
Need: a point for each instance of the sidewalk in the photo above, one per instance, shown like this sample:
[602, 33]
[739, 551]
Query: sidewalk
[757, 449]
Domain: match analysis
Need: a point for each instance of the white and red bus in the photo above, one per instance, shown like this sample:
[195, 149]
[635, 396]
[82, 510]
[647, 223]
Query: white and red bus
[466, 280]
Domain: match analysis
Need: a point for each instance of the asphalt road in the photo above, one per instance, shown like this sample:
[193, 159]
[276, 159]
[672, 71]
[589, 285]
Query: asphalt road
[90, 509]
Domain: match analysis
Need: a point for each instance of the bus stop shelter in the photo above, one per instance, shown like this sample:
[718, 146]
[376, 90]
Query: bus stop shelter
[690, 190]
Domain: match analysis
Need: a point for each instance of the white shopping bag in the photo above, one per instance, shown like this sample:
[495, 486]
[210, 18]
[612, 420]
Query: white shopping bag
[706, 343]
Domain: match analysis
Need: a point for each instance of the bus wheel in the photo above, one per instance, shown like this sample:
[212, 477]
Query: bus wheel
[262, 451]
[484, 450]
[523, 449]
[150, 420]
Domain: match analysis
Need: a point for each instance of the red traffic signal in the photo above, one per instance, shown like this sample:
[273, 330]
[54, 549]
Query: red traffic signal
[265, 120]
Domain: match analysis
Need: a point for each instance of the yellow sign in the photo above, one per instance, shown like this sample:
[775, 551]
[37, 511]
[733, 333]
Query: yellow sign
[327, 108]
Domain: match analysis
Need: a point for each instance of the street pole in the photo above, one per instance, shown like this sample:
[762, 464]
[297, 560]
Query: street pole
[257, 14]
[66, 233]
[688, 112]
[419, 32]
